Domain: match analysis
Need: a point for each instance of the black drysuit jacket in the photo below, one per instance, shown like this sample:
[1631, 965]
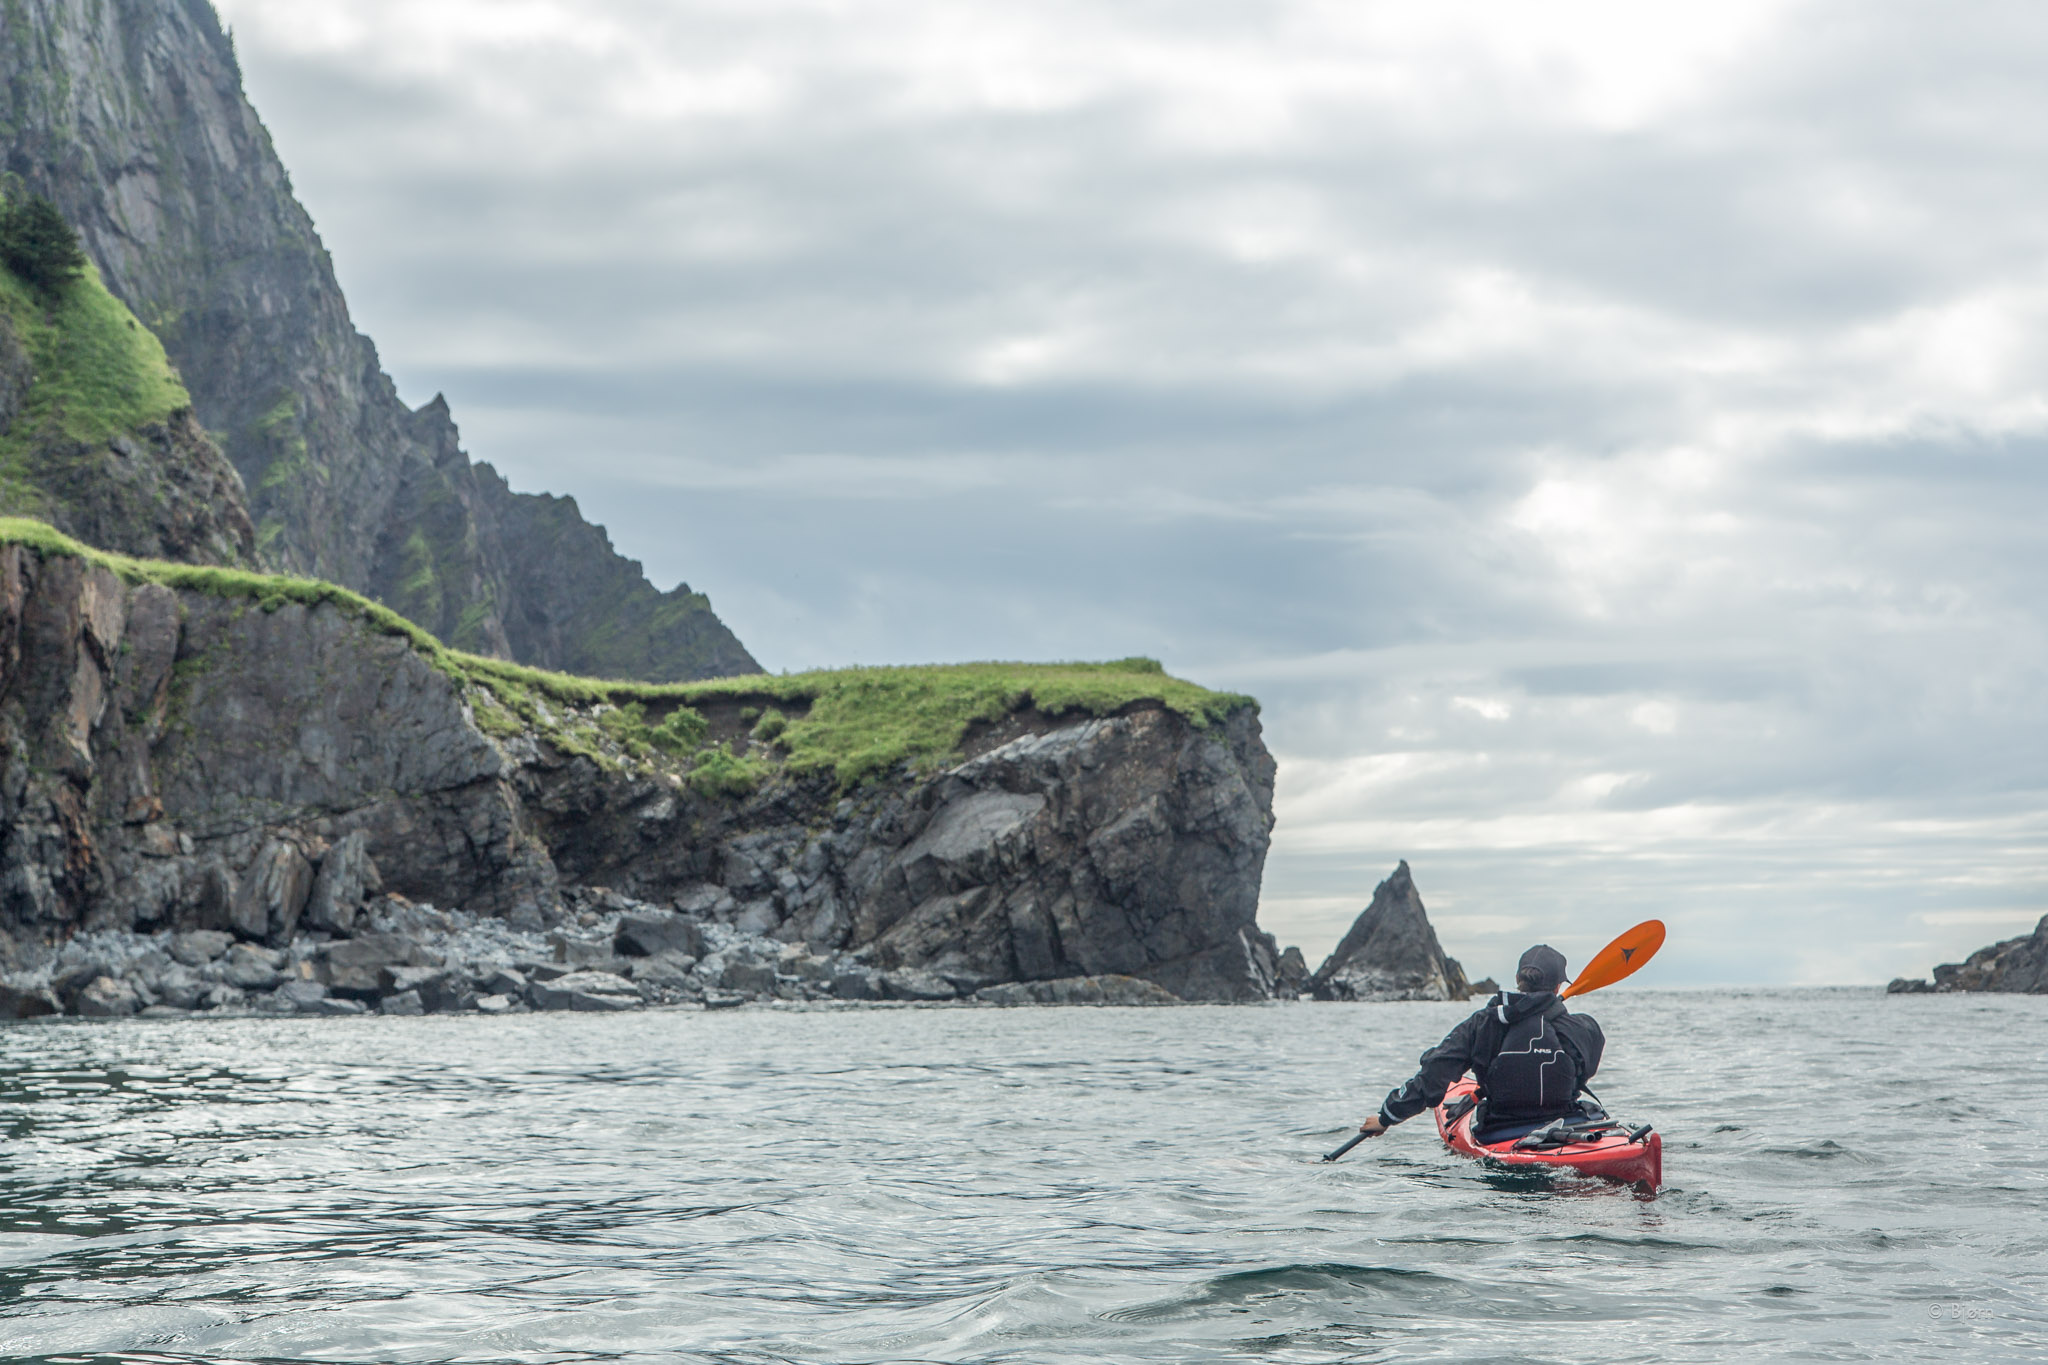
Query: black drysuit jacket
[1472, 1046]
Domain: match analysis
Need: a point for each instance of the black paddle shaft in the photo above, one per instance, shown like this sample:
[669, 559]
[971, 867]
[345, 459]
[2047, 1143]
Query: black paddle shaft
[1347, 1146]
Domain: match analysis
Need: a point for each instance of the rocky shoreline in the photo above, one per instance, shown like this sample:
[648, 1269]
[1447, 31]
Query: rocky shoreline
[277, 761]
[608, 953]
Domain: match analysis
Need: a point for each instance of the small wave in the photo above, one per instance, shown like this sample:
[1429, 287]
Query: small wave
[1321, 1279]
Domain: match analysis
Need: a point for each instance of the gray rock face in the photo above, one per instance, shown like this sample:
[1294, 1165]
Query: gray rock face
[220, 767]
[2016, 965]
[131, 117]
[1130, 845]
[1391, 952]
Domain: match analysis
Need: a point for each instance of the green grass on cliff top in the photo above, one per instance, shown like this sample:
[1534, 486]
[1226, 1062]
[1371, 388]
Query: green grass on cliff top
[98, 372]
[856, 723]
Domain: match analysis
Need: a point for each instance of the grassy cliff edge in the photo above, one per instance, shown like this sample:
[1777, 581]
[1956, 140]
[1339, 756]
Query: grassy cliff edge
[856, 723]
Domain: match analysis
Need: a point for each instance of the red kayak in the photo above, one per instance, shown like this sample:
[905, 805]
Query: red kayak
[1633, 1158]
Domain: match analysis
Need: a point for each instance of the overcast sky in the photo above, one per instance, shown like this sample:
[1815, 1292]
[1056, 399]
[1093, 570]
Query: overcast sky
[1608, 438]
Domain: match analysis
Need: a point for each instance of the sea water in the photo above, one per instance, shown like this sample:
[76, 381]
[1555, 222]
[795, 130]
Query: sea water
[1849, 1177]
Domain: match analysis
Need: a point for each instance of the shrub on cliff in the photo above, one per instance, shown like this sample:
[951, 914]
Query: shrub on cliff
[39, 246]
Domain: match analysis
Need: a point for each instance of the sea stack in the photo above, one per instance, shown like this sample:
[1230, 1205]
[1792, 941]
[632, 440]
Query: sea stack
[1391, 952]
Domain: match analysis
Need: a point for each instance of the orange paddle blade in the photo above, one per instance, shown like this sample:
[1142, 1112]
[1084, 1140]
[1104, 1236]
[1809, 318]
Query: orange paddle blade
[1618, 959]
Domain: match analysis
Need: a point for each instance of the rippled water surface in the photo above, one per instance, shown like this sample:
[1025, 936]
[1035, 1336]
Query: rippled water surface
[1849, 1177]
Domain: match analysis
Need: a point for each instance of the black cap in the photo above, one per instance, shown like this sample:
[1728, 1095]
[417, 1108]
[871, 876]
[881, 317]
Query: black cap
[1541, 969]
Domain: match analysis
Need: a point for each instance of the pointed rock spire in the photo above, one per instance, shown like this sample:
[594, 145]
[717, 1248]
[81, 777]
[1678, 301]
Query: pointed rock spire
[1391, 952]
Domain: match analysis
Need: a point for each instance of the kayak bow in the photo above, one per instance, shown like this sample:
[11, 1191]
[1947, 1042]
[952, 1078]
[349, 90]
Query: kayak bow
[1617, 1155]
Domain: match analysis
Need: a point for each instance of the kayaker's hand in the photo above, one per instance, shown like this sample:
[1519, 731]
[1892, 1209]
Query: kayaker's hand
[1372, 1127]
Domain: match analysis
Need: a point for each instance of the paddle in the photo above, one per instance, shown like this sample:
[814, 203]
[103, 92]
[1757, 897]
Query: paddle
[1621, 958]
[1347, 1146]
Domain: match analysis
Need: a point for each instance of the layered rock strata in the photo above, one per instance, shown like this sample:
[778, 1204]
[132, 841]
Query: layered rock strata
[2016, 966]
[184, 760]
[130, 116]
[1391, 952]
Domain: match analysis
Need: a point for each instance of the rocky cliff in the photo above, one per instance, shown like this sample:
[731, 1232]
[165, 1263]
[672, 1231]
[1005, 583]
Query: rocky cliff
[2017, 965]
[130, 115]
[1391, 952]
[97, 436]
[204, 750]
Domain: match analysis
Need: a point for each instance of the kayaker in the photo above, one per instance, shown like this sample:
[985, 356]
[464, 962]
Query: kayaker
[1530, 1055]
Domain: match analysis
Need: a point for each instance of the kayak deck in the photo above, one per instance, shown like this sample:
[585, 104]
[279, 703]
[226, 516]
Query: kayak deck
[1609, 1156]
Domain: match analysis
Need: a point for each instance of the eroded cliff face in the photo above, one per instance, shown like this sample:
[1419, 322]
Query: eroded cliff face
[129, 114]
[178, 759]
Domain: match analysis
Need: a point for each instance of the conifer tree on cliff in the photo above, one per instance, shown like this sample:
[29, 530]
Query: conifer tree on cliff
[39, 246]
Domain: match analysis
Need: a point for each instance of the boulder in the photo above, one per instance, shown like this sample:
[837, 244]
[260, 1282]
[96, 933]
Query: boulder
[670, 971]
[750, 978]
[354, 967]
[1079, 990]
[27, 1002]
[590, 991]
[304, 996]
[108, 998]
[331, 1005]
[405, 1002]
[1902, 985]
[576, 951]
[857, 985]
[494, 1004]
[197, 947]
[1391, 953]
[806, 966]
[178, 988]
[68, 983]
[909, 984]
[397, 980]
[272, 893]
[252, 968]
[448, 993]
[347, 875]
[649, 935]
[505, 981]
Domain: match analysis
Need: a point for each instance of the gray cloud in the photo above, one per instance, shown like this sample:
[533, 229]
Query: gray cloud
[1615, 459]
